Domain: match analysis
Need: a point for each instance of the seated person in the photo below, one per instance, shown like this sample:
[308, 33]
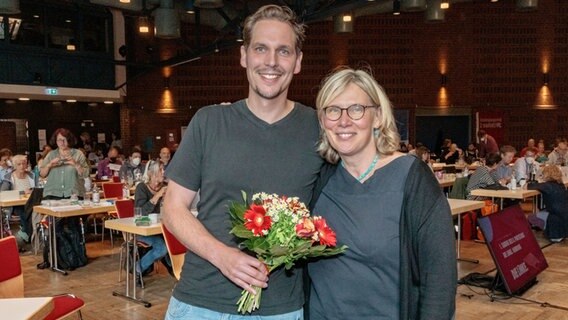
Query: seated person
[559, 155]
[133, 167]
[482, 177]
[504, 172]
[541, 155]
[470, 154]
[22, 180]
[149, 196]
[554, 218]
[103, 169]
[423, 154]
[526, 167]
[452, 155]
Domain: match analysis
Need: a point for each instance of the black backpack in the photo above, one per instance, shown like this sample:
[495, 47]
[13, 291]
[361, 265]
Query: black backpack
[71, 251]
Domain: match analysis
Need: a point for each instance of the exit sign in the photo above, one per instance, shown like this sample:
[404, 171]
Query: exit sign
[51, 91]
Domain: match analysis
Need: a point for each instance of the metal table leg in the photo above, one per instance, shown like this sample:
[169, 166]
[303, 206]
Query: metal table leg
[53, 246]
[131, 260]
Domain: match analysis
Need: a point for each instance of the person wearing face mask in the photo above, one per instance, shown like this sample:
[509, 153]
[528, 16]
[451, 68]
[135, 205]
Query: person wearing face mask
[487, 144]
[103, 169]
[5, 162]
[525, 166]
[482, 177]
[133, 167]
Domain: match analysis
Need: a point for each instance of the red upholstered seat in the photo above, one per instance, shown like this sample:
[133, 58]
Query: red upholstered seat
[124, 208]
[112, 190]
[176, 250]
[10, 258]
[12, 284]
[64, 305]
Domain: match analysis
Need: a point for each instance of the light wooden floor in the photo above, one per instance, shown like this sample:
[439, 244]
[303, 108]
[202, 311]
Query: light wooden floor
[96, 281]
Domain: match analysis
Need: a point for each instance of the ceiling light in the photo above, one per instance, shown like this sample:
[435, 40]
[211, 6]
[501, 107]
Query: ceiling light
[108, 102]
[445, 5]
[68, 20]
[24, 99]
[36, 16]
[189, 7]
[71, 47]
[396, 7]
[124, 1]
[143, 26]
[71, 100]
[343, 23]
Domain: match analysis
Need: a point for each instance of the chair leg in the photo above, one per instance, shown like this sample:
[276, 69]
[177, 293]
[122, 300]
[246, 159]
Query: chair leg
[80, 315]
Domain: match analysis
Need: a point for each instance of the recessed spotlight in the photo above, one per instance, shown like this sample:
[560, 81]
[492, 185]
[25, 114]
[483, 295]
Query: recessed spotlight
[71, 100]
[24, 99]
[68, 20]
[108, 102]
[36, 16]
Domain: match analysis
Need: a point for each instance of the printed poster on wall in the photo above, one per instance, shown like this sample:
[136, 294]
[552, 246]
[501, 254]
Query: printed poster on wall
[492, 123]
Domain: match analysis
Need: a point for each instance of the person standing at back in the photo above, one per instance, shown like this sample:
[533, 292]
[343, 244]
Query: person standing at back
[265, 143]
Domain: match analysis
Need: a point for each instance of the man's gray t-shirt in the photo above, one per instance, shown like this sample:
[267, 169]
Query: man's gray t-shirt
[227, 149]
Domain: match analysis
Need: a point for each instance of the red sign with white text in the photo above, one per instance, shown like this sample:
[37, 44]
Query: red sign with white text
[513, 246]
[492, 123]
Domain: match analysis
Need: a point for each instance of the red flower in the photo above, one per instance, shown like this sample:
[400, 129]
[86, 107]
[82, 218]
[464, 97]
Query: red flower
[324, 233]
[305, 228]
[256, 220]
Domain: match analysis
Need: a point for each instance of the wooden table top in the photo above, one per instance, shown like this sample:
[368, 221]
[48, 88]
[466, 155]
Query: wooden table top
[128, 225]
[74, 210]
[26, 308]
[460, 206]
[16, 202]
[510, 194]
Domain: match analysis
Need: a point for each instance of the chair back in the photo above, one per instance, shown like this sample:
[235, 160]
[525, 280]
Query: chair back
[112, 190]
[124, 208]
[459, 188]
[11, 276]
[115, 179]
[176, 250]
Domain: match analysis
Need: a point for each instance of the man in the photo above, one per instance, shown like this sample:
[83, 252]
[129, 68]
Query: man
[165, 155]
[487, 144]
[5, 162]
[133, 167]
[530, 144]
[558, 155]
[504, 172]
[103, 168]
[526, 166]
[265, 143]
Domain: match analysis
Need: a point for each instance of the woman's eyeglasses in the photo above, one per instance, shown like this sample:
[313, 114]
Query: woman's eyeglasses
[355, 112]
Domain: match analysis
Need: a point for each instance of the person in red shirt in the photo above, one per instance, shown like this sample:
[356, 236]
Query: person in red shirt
[487, 144]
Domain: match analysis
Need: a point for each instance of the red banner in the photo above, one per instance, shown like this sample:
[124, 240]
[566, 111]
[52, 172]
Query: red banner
[492, 123]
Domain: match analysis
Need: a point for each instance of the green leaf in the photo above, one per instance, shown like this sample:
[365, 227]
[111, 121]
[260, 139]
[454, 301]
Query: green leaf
[241, 232]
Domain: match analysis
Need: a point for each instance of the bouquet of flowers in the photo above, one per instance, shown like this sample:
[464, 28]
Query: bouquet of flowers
[280, 231]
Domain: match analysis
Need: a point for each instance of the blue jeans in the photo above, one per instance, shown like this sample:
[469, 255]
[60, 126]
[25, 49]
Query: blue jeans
[179, 310]
[157, 252]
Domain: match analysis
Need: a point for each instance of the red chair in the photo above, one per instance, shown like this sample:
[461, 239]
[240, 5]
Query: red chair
[115, 179]
[112, 190]
[12, 282]
[125, 209]
[176, 250]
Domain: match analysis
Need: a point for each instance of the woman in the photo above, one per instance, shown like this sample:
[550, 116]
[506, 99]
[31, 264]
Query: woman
[423, 154]
[482, 177]
[66, 170]
[148, 196]
[554, 219]
[22, 180]
[452, 155]
[386, 207]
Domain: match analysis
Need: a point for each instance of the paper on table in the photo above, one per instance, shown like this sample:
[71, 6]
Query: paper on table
[67, 208]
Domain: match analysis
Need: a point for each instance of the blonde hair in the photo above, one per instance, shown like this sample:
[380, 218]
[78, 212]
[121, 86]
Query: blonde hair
[152, 170]
[333, 85]
[552, 173]
[275, 12]
[19, 157]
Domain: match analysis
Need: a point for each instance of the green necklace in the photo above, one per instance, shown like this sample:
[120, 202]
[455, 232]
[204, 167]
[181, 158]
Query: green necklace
[369, 169]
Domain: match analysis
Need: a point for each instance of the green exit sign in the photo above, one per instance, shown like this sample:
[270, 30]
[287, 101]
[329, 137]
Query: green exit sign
[51, 91]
